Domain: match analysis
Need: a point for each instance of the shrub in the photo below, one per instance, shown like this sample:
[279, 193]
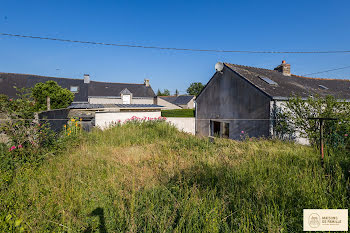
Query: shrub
[59, 97]
[178, 113]
[297, 113]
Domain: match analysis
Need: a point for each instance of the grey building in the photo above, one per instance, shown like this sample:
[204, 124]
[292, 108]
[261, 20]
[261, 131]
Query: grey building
[239, 100]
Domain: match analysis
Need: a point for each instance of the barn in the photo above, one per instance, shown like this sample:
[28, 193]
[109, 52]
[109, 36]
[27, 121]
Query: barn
[239, 100]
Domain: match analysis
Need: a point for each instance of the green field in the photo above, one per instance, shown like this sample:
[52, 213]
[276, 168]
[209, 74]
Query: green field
[178, 113]
[151, 178]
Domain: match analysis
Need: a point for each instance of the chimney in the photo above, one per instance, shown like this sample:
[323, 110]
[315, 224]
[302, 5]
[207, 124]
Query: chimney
[284, 68]
[146, 82]
[86, 78]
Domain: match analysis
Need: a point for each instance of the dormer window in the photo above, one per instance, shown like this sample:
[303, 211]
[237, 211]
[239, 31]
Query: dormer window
[126, 96]
[126, 99]
[74, 89]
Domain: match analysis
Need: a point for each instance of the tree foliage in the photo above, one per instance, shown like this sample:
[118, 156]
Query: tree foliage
[195, 88]
[297, 114]
[59, 97]
[166, 92]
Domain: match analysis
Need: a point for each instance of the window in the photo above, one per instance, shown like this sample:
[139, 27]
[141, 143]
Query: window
[220, 129]
[74, 89]
[126, 99]
[269, 81]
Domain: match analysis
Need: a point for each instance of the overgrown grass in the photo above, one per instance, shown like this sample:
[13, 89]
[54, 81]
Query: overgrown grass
[151, 178]
[178, 113]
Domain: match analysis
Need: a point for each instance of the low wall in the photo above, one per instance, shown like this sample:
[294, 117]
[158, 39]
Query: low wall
[186, 124]
[104, 119]
[55, 118]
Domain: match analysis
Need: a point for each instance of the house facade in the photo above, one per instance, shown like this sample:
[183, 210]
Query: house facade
[177, 101]
[239, 101]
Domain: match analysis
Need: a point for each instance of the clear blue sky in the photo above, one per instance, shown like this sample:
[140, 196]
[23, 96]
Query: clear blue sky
[230, 25]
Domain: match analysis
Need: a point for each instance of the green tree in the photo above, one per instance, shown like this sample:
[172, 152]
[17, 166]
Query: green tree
[166, 92]
[176, 92]
[195, 88]
[59, 97]
[297, 112]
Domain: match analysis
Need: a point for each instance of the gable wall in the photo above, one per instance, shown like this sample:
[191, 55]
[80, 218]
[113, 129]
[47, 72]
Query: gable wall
[228, 96]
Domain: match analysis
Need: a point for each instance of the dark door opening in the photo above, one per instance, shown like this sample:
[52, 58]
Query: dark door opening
[220, 129]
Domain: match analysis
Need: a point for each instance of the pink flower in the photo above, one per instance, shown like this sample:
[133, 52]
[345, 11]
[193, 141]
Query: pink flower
[346, 135]
[12, 148]
[242, 131]
[10, 99]
[20, 146]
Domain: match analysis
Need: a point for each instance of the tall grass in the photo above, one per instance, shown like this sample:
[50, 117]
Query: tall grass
[151, 178]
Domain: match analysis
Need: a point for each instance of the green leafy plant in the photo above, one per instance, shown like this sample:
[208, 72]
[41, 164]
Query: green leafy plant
[298, 114]
[59, 97]
[166, 92]
[195, 88]
[10, 223]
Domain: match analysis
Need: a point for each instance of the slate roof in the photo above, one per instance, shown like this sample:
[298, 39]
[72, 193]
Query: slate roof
[101, 89]
[9, 80]
[288, 86]
[95, 106]
[114, 89]
[178, 100]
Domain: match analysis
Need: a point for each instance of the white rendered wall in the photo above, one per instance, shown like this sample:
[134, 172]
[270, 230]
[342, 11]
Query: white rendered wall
[186, 124]
[299, 139]
[105, 119]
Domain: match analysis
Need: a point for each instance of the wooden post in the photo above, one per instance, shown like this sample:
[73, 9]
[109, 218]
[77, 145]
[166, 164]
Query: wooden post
[48, 103]
[321, 139]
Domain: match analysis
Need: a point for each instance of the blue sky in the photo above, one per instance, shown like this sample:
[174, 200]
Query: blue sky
[229, 25]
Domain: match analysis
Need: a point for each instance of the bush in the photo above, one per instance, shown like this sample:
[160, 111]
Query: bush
[178, 113]
[59, 97]
[296, 114]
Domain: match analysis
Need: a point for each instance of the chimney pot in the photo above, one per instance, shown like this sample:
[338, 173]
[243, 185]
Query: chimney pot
[86, 78]
[284, 68]
[146, 82]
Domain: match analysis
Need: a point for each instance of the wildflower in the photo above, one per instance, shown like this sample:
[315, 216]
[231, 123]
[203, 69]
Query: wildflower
[20, 146]
[12, 148]
[346, 135]
[80, 119]
[10, 99]
[65, 126]
[242, 131]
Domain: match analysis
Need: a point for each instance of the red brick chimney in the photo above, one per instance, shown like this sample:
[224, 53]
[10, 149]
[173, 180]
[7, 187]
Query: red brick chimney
[284, 68]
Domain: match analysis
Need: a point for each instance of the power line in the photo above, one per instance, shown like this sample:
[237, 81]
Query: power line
[171, 48]
[345, 67]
